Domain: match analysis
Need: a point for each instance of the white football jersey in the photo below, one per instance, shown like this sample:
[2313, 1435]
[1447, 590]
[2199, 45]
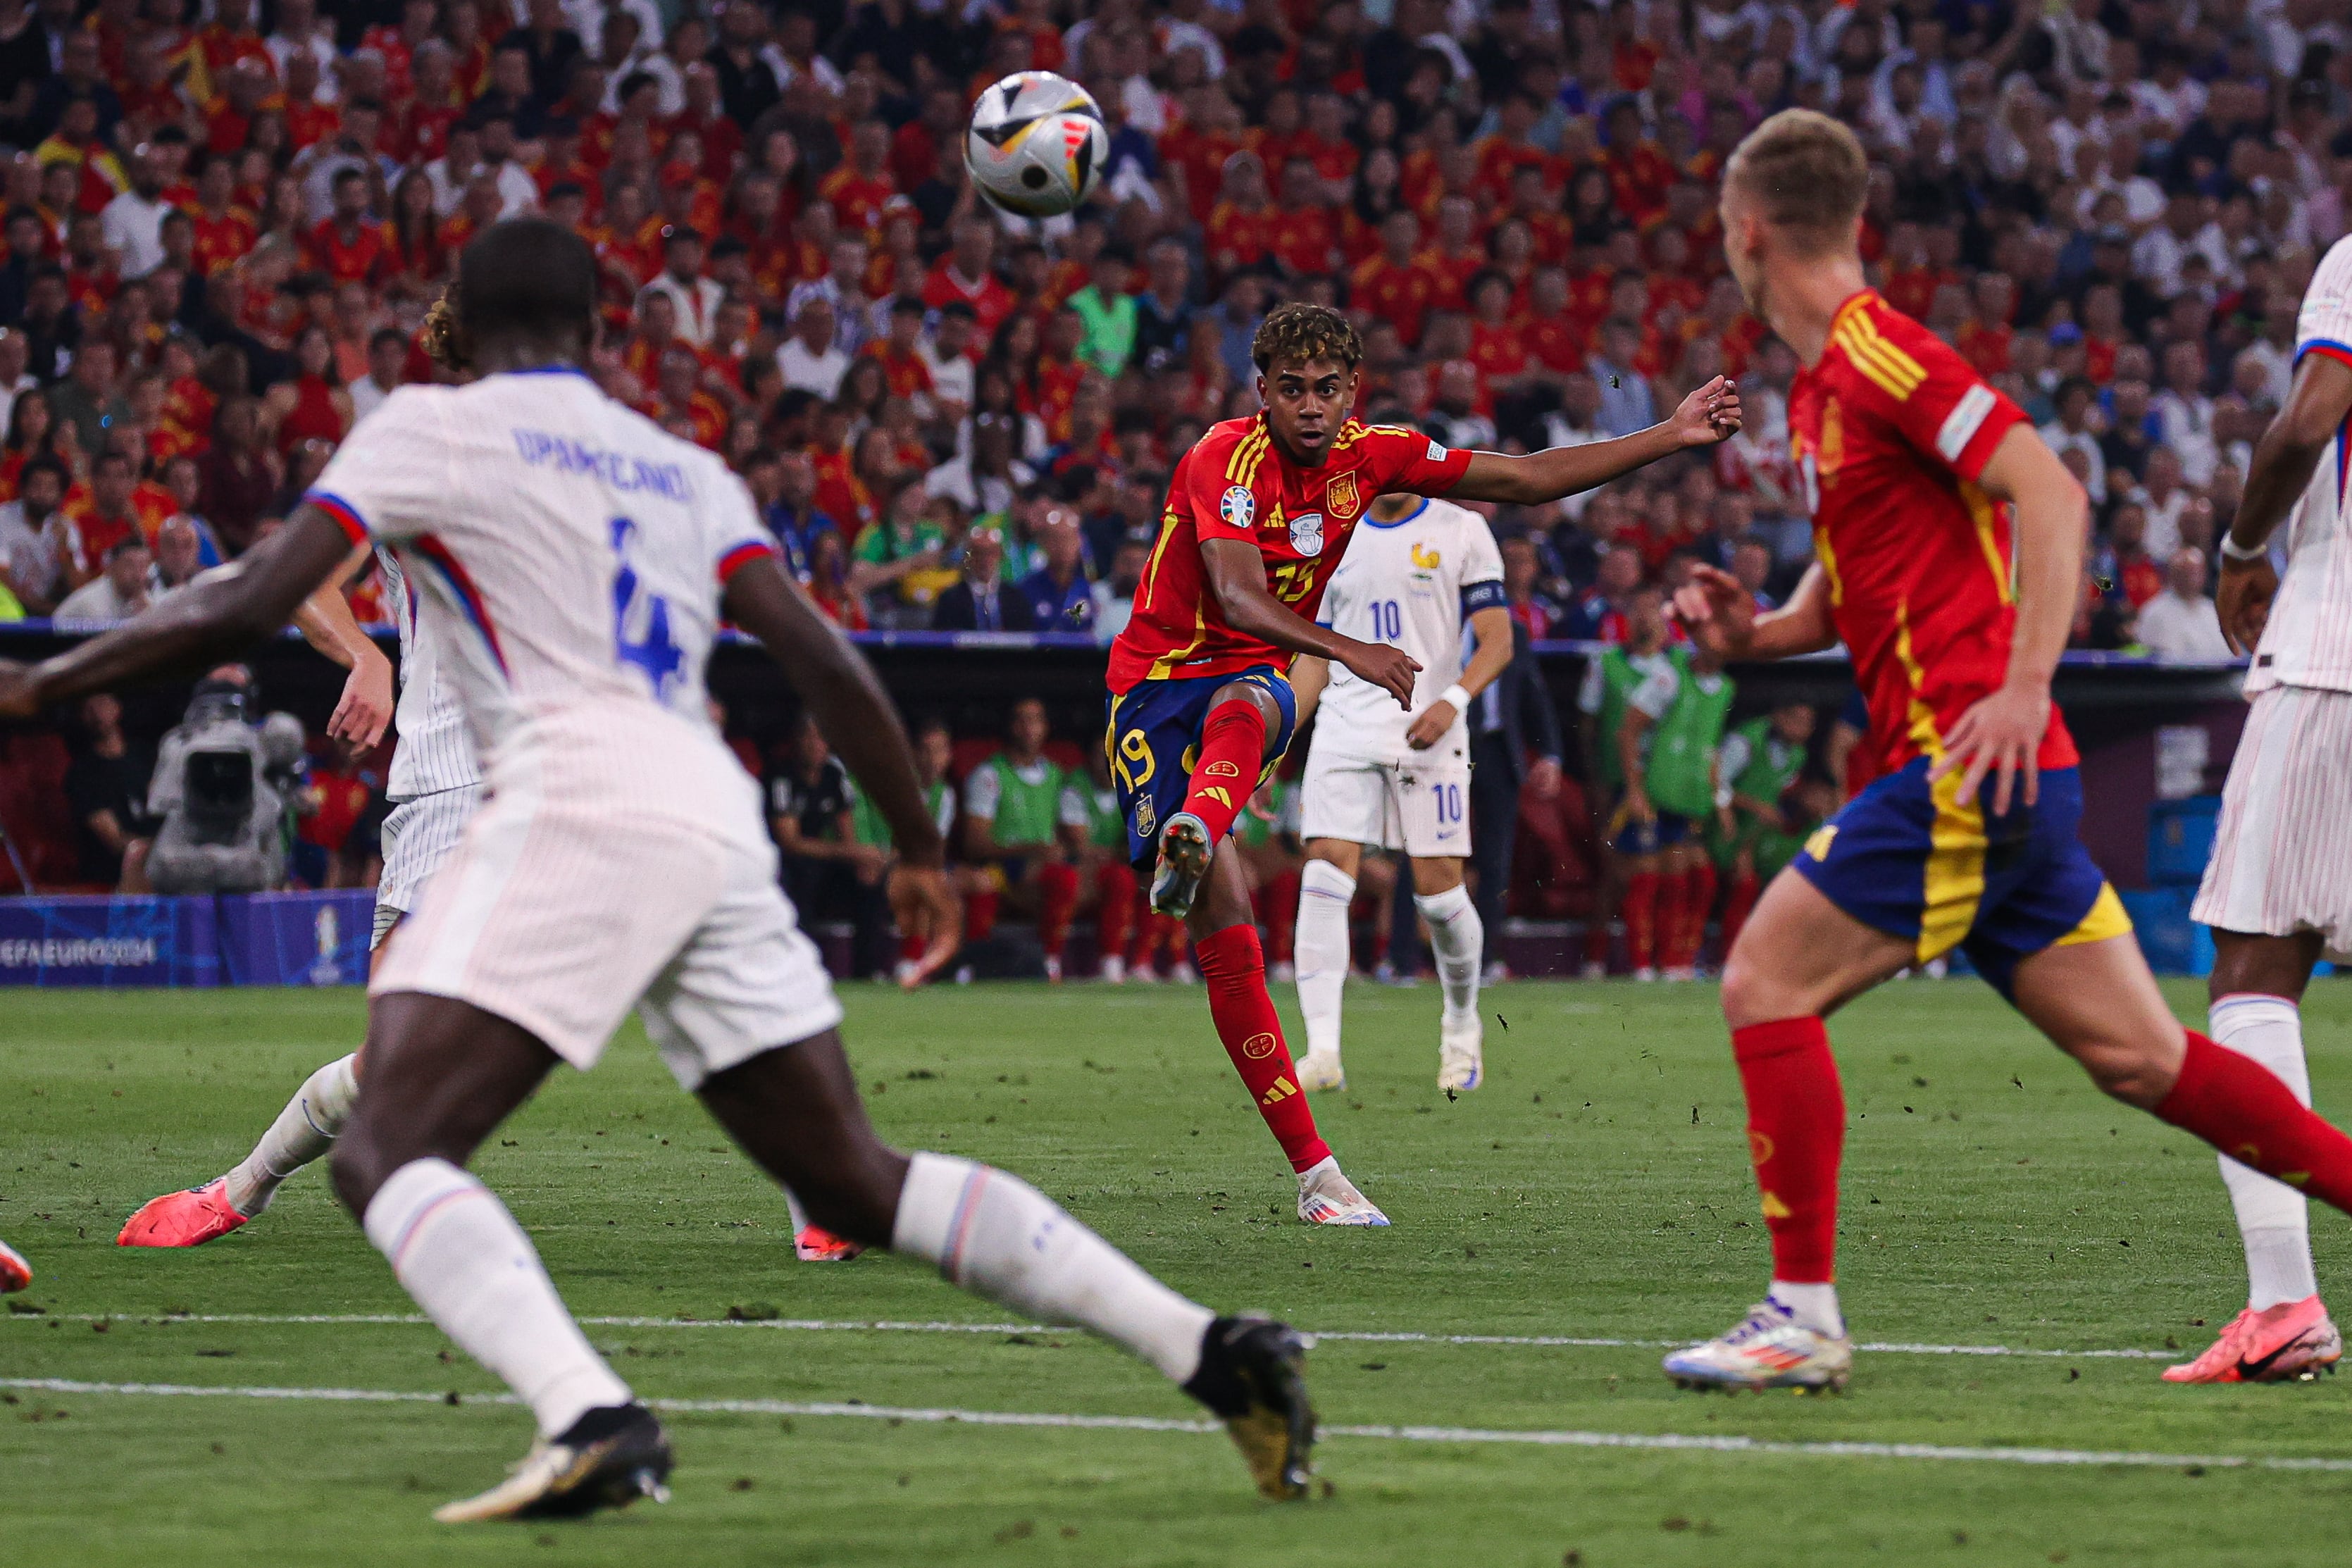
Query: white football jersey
[2308, 639]
[1409, 584]
[566, 555]
[433, 751]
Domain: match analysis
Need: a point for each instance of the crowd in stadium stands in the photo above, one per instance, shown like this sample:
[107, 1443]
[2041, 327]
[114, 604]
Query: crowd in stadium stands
[224, 220]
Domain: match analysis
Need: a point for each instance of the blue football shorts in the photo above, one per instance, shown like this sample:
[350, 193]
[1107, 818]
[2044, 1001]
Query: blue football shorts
[1911, 859]
[1153, 738]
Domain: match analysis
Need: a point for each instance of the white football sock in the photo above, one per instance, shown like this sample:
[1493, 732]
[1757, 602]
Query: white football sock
[998, 1236]
[1813, 1306]
[800, 1214]
[1458, 939]
[304, 1131]
[456, 1251]
[1319, 948]
[2274, 1219]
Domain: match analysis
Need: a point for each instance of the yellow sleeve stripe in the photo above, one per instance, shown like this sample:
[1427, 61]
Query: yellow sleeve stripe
[1237, 463]
[1243, 468]
[1895, 372]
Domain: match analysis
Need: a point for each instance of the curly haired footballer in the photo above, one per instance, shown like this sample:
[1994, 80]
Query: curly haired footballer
[1302, 334]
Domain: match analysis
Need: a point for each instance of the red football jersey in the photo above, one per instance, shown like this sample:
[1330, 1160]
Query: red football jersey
[1236, 483]
[1890, 431]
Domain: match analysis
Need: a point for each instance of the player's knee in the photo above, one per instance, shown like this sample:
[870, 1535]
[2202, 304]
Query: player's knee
[2135, 1072]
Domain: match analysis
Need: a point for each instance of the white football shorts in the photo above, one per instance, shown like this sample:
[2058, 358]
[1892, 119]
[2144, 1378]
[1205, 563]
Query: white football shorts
[417, 836]
[561, 918]
[1421, 805]
[2283, 851]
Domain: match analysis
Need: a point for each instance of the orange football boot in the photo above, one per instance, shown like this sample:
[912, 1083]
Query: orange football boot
[816, 1245]
[188, 1219]
[14, 1272]
[2289, 1342]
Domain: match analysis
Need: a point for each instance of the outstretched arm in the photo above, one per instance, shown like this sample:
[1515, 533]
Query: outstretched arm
[1708, 415]
[845, 697]
[2316, 406]
[327, 624]
[1720, 612]
[861, 724]
[227, 612]
[1236, 573]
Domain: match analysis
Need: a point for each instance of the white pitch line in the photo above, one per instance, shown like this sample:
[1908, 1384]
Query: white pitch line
[1674, 1441]
[822, 1325]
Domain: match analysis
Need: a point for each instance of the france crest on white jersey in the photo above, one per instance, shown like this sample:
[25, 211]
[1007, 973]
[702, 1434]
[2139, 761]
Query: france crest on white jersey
[1409, 584]
[2308, 639]
[565, 554]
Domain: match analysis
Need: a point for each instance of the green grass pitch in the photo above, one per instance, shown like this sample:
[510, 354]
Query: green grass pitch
[1595, 1188]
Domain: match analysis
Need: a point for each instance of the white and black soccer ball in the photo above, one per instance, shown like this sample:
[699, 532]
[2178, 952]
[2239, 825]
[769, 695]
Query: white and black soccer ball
[1037, 144]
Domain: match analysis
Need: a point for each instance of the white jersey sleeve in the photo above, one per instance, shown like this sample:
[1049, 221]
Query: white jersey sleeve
[2308, 639]
[391, 478]
[983, 791]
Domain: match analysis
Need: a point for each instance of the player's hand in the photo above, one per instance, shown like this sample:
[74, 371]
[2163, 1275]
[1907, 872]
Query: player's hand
[1725, 821]
[1637, 804]
[1999, 734]
[2243, 598]
[17, 696]
[360, 717]
[1709, 414]
[1543, 779]
[1429, 726]
[1390, 668]
[924, 901]
[1717, 611]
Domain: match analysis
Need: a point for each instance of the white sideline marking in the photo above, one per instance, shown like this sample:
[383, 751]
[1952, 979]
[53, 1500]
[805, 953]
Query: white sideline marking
[1569, 1439]
[822, 1325]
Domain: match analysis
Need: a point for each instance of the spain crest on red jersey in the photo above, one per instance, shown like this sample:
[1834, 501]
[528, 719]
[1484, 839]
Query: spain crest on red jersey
[1340, 497]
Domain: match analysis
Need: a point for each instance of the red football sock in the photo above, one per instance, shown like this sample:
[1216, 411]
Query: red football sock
[1744, 890]
[1281, 916]
[1114, 908]
[911, 946]
[980, 914]
[1698, 902]
[1641, 913]
[2240, 1107]
[1058, 897]
[1796, 1133]
[1673, 918]
[1596, 937]
[1234, 968]
[1232, 747]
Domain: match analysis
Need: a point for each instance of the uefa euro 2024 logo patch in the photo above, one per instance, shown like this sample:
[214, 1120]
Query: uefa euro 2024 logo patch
[1239, 508]
[1306, 533]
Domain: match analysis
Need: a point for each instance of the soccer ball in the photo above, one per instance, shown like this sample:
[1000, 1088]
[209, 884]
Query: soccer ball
[1037, 144]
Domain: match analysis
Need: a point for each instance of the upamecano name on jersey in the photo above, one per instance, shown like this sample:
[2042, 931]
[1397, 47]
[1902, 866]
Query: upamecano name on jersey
[617, 470]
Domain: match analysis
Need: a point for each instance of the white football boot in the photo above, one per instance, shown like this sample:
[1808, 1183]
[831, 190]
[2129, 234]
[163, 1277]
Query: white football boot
[1770, 1350]
[1320, 1069]
[1326, 1197]
[1460, 1054]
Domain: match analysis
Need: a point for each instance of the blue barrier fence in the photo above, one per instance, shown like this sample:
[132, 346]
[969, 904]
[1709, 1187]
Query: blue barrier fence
[261, 939]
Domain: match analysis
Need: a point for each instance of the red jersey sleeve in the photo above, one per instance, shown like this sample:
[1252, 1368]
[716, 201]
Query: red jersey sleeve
[1396, 458]
[1219, 483]
[1935, 398]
